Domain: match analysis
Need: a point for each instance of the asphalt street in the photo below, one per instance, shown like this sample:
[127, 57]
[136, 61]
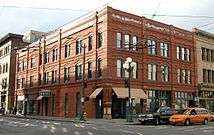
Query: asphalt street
[19, 126]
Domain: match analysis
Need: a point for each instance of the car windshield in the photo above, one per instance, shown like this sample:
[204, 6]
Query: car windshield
[183, 111]
[163, 109]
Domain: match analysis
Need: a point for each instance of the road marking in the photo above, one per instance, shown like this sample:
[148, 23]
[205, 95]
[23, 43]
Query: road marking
[64, 130]
[208, 131]
[53, 129]
[210, 127]
[77, 133]
[127, 131]
[45, 126]
[139, 133]
[90, 133]
[94, 128]
[56, 123]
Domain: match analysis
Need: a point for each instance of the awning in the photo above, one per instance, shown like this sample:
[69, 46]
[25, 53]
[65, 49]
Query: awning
[96, 92]
[124, 93]
[39, 97]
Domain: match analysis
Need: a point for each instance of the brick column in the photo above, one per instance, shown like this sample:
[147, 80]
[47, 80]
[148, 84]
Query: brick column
[107, 102]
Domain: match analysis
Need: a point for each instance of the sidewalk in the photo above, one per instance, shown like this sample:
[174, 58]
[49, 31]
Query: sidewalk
[74, 120]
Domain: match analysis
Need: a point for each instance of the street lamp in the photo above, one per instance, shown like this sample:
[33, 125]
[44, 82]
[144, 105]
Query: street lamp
[128, 66]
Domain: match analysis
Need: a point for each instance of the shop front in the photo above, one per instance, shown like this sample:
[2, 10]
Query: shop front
[206, 100]
[43, 102]
[119, 102]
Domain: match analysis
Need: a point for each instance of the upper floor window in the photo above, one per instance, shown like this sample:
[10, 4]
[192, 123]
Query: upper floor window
[23, 82]
[6, 50]
[89, 70]
[54, 55]
[135, 70]
[46, 77]
[165, 73]
[99, 68]
[151, 47]
[78, 46]
[90, 43]
[78, 72]
[178, 52]
[164, 49]
[54, 76]
[119, 40]
[203, 56]
[31, 81]
[100, 39]
[152, 72]
[46, 57]
[187, 55]
[127, 41]
[183, 53]
[0, 69]
[1, 53]
[179, 75]
[18, 84]
[67, 50]
[66, 74]
[134, 42]
[32, 62]
[119, 68]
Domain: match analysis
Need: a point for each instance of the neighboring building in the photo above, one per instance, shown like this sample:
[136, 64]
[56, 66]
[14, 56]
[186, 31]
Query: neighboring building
[8, 44]
[32, 36]
[205, 64]
[50, 73]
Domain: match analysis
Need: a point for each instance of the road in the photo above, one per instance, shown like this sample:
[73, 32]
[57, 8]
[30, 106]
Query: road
[18, 126]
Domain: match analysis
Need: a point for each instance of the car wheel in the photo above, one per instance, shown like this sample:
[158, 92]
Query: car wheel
[187, 122]
[205, 121]
[157, 121]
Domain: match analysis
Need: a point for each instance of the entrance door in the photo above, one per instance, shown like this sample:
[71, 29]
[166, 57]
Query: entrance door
[45, 106]
[99, 105]
[118, 107]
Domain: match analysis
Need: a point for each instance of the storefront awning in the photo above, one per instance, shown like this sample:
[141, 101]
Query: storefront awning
[39, 98]
[96, 92]
[124, 93]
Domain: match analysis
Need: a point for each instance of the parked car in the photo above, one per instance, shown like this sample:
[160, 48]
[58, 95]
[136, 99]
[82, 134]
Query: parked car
[162, 115]
[212, 117]
[191, 116]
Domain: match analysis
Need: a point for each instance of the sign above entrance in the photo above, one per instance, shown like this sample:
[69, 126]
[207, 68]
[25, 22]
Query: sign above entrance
[45, 93]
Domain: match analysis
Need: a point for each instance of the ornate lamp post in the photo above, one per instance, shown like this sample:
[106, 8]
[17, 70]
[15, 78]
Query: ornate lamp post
[128, 66]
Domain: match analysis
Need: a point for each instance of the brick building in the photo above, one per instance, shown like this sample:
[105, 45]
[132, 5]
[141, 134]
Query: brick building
[50, 71]
[8, 43]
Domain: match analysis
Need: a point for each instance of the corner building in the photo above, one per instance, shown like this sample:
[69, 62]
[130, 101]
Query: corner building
[50, 72]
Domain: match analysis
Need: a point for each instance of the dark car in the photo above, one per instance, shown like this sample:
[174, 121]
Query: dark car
[161, 116]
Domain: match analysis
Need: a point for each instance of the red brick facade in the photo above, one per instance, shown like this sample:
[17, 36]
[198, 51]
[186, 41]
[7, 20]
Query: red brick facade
[109, 22]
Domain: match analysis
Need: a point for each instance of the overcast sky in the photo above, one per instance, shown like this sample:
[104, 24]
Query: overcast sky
[19, 16]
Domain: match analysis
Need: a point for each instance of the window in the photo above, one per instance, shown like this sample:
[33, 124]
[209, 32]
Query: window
[46, 57]
[179, 75]
[54, 55]
[46, 77]
[66, 74]
[183, 76]
[78, 46]
[135, 70]
[119, 40]
[100, 39]
[23, 82]
[99, 69]
[6, 67]
[213, 77]
[178, 52]
[152, 72]
[188, 76]
[165, 73]
[40, 59]
[54, 76]
[89, 43]
[0, 69]
[203, 53]
[209, 76]
[134, 43]
[32, 63]
[66, 104]
[151, 47]
[127, 41]
[187, 55]
[18, 83]
[212, 55]
[78, 72]
[207, 54]
[40, 79]
[164, 49]
[31, 80]
[204, 76]
[119, 68]
[89, 70]
[182, 53]
[67, 50]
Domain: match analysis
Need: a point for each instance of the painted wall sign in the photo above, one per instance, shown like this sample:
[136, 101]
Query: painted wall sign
[126, 19]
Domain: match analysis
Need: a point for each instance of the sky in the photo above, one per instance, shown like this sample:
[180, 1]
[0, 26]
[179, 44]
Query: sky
[19, 16]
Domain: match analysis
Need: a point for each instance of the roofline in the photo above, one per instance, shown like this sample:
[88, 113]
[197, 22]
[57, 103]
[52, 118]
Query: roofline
[10, 35]
[203, 33]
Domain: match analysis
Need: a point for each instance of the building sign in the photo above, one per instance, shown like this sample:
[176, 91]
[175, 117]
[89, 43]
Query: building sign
[125, 19]
[45, 93]
[148, 25]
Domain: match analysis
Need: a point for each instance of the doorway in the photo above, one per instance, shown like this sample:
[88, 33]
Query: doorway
[118, 107]
[99, 105]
